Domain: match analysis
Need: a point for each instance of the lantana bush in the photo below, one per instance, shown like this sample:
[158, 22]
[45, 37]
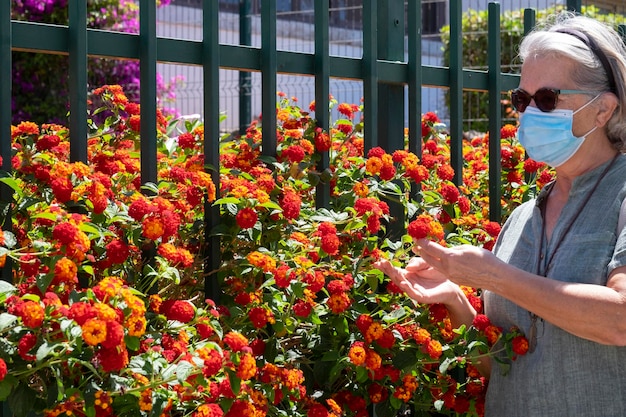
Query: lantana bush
[105, 313]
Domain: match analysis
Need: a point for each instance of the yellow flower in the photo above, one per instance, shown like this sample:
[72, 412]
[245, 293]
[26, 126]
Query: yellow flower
[94, 331]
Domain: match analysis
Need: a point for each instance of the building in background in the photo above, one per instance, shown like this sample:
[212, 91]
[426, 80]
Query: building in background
[295, 32]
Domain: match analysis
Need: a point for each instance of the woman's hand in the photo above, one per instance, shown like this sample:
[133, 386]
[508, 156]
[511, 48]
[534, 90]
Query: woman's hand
[420, 281]
[465, 265]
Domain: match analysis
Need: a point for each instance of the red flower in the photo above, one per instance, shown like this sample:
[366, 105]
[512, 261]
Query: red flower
[302, 308]
[80, 312]
[532, 166]
[346, 109]
[208, 410]
[377, 152]
[246, 218]
[492, 228]
[62, 189]
[236, 341]
[290, 203]
[322, 141]
[31, 313]
[259, 317]
[377, 393]
[3, 369]
[204, 328]
[481, 322]
[186, 141]
[520, 345]
[114, 334]
[117, 251]
[445, 172]
[294, 153]
[330, 244]
[113, 359]
[139, 208]
[212, 363]
[179, 310]
[508, 131]
[450, 193]
[419, 228]
[47, 142]
[26, 343]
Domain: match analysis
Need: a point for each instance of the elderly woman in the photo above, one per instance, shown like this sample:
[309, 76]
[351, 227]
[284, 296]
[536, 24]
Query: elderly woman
[558, 269]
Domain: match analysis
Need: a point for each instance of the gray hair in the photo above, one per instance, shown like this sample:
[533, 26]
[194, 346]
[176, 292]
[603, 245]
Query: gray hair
[574, 37]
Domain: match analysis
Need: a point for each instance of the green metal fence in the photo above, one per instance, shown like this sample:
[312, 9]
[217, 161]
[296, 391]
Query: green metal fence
[383, 71]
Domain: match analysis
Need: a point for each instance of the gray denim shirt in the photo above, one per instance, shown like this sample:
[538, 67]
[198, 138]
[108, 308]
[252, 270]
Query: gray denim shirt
[566, 375]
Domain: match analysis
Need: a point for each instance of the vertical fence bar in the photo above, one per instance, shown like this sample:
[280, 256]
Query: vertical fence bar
[211, 63]
[621, 29]
[390, 133]
[370, 74]
[147, 93]
[529, 20]
[494, 52]
[268, 77]
[414, 17]
[322, 92]
[245, 78]
[5, 122]
[456, 90]
[574, 5]
[77, 45]
[391, 96]
[148, 101]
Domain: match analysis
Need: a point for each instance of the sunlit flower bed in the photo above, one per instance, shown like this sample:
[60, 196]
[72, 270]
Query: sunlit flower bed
[107, 316]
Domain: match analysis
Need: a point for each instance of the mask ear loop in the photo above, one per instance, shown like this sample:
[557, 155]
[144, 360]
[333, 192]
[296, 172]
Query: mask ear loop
[598, 52]
[586, 104]
[593, 129]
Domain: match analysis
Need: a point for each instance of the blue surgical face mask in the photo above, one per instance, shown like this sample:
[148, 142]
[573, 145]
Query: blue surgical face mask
[547, 136]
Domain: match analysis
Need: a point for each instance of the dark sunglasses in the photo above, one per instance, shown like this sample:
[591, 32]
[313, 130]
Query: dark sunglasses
[545, 98]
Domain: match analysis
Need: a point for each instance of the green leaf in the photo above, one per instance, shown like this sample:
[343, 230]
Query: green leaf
[183, 370]
[337, 370]
[405, 359]
[227, 200]
[6, 321]
[15, 186]
[22, 400]
[445, 364]
[6, 386]
[6, 287]
[132, 342]
[45, 349]
[388, 408]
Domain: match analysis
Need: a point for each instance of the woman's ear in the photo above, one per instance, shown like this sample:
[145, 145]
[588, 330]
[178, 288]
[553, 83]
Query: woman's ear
[607, 104]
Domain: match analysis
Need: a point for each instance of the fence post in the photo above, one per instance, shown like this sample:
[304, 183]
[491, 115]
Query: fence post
[370, 74]
[245, 78]
[77, 45]
[494, 52]
[414, 18]
[322, 92]
[6, 193]
[391, 18]
[456, 90]
[268, 77]
[147, 93]
[574, 5]
[391, 96]
[211, 64]
[148, 109]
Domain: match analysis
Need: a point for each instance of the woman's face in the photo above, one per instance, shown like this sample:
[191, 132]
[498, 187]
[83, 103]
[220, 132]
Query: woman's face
[554, 73]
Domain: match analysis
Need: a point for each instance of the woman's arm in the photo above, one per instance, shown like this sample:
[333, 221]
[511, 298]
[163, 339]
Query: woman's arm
[593, 312]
